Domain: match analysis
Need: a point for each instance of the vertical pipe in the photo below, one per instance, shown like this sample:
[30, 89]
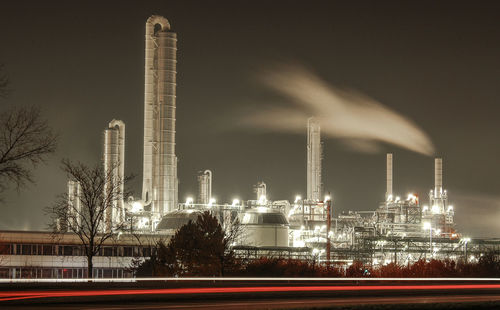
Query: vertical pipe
[389, 176]
[328, 227]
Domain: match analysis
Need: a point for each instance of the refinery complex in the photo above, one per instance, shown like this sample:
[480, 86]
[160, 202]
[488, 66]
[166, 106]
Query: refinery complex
[300, 223]
[400, 229]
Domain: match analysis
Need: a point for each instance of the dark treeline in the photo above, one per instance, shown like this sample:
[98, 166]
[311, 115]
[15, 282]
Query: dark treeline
[487, 267]
[203, 249]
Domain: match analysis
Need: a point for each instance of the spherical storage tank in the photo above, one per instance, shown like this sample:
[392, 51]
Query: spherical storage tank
[264, 227]
[174, 220]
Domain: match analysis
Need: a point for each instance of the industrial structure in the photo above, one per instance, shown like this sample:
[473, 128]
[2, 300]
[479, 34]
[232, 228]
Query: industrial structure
[114, 169]
[159, 189]
[314, 156]
[400, 229]
[305, 227]
[204, 187]
[352, 235]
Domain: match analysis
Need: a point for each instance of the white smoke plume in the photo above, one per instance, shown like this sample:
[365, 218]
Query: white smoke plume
[359, 121]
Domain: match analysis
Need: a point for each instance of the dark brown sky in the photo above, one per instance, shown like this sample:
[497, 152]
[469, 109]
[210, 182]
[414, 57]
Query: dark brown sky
[436, 63]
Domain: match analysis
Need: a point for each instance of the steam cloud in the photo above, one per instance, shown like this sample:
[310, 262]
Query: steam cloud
[359, 121]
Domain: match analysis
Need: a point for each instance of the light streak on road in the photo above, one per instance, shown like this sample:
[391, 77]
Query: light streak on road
[171, 279]
[16, 295]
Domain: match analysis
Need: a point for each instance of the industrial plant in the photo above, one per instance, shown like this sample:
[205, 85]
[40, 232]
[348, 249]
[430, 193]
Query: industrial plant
[401, 229]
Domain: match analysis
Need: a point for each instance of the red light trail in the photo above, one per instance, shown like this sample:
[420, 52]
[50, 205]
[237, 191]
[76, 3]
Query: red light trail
[17, 295]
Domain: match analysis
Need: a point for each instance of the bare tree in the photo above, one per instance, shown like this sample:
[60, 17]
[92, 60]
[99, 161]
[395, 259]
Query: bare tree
[25, 141]
[90, 211]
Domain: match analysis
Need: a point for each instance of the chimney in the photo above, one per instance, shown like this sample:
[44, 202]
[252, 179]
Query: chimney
[438, 177]
[389, 176]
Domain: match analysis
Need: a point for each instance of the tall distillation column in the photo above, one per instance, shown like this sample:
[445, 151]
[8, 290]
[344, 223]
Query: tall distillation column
[160, 163]
[314, 155]
[74, 206]
[204, 187]
[114, 169]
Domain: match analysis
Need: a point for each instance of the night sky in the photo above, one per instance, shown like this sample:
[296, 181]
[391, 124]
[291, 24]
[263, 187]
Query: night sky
[437, 64]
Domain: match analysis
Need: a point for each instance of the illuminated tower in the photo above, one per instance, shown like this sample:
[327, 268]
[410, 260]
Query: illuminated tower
[114, 169]
[204, 187]
[160, 163]
[314, 154]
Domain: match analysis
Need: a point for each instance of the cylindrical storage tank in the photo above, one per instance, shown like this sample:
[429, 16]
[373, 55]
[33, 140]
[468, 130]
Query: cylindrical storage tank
[264, 228]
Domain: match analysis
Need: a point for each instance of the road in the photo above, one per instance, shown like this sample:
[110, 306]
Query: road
[252, 296]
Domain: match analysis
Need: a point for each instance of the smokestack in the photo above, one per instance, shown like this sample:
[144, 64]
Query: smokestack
[160, 163]
[314, 154]
[389, 176]
[438, 177]
[204, 187]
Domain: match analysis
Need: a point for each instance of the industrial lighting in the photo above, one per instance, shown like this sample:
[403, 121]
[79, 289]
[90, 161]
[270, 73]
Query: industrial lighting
[211, 202]
[235, 202]
[412, 197]
[262, 200]
[189, 200]
[327, 198]
[427, 225]
[450, 208]
[297, 198]
[261, 209]
[435, 209]
[137, 207]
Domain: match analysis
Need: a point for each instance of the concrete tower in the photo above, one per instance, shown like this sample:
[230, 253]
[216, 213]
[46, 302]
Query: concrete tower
[160, 163]
[314, 156]
[114, 168]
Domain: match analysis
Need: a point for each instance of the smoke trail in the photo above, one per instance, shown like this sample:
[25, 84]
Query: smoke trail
[358, 120]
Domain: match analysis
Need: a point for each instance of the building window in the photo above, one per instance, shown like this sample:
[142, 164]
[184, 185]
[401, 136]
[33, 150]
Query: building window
[26, 249]
[128, 251]
[48, 250]
[4, 249]
[108, 251]
[67, 250]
